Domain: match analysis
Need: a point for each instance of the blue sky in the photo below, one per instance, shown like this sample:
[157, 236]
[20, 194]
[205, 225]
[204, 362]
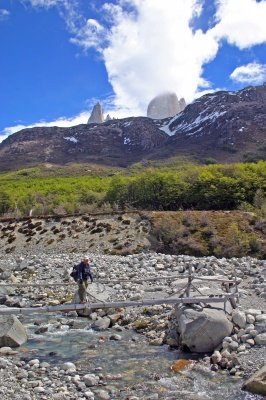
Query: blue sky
[60, 56]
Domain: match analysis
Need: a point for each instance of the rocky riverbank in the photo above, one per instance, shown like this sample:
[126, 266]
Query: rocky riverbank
[23, 376]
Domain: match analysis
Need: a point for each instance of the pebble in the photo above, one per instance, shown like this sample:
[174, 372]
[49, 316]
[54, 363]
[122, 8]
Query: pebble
[91, 380]
[260, 339]
[115, 337]
[68, 366]
[103, 395]
[89, 395]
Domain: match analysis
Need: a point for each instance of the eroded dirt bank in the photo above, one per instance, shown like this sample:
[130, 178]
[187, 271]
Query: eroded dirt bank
[198, 233]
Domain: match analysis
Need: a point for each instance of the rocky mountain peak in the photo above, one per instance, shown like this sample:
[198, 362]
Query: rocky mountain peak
[96, 116]
[165, 106]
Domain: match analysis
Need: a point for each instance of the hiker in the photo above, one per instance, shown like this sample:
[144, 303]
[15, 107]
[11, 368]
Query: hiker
[81, 273]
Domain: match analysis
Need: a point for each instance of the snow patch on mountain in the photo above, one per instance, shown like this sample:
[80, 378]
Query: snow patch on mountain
[71, 139]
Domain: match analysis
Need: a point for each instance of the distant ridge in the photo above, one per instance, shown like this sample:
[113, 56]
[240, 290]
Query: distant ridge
[224, 126]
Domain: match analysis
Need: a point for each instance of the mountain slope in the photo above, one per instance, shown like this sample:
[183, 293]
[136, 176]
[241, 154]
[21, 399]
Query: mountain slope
[220, 123]
[116, 142]
[227, 126]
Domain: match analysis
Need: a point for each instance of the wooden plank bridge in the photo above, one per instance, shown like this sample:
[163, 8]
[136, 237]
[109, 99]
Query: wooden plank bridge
[184, 297]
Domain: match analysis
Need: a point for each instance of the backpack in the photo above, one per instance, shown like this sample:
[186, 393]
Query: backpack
[74, 273]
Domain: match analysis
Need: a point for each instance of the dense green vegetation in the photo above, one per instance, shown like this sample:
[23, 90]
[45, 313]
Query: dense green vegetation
[50, 195]
[212, 187]
[172, 186]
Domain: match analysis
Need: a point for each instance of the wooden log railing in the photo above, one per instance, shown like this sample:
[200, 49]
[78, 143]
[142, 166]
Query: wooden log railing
[118, 304]
[126, 280]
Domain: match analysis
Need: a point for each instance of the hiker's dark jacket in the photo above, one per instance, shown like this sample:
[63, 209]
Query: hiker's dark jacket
[84, 272]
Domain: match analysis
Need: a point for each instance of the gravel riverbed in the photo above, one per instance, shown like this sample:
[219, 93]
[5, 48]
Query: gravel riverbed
[25, 376]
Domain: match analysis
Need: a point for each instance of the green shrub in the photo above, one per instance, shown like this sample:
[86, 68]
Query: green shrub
[5, 202]
[209, 187]
[209, 161]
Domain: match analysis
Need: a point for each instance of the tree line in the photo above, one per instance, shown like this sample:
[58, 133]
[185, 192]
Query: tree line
[210, 187]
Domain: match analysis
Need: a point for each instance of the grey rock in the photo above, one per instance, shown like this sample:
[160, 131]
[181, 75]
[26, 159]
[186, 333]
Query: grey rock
[4, 363]
[233, 346]
[253, 312]
[89, 395]
[250, 319]
[69, 366]
[115, 337]
[239, 318]
[257, 383]
[7, 351]
[242, 347]
[165, 105]
[96, 115]
[202, 331]
[261, 318]
[260, 339]
[103, 395]
[216, 357]
[12, 332]
[91, 379]
[101, 324]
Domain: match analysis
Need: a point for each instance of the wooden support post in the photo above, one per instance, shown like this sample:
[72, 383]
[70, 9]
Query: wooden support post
[232, 299]
[190, 278]
[236, 288]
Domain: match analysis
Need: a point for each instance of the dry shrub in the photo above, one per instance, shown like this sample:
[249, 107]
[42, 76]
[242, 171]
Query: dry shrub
[204, 220]
[187, 219]
[207, 233]
[260, 225]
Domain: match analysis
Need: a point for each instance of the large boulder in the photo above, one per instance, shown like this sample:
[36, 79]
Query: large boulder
[202, 331]
[12, 332]
[257, 383]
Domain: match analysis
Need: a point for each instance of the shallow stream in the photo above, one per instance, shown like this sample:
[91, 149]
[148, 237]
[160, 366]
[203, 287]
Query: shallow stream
[138, 366]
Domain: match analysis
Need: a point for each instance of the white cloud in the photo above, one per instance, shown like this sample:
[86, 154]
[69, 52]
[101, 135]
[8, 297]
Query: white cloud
[252, 73]
[241, 22]
[154, 50]
[149, 46]
[43, 3]
[4, 14]
[91, 34]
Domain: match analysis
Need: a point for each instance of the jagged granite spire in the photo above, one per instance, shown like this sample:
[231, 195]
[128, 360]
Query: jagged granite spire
[165, 105]
[96, 116]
